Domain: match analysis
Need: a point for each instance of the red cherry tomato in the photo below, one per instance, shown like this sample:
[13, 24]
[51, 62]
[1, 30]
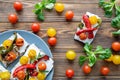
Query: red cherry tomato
[104, 70]
[18, 6]
[52, 41]
[83, 36]
[86, 69]
[69, 73]
[69, 15]
[116, 46]
[13, 18]
[35, 27]
[42, 66]
[21, 75]
[19, 42]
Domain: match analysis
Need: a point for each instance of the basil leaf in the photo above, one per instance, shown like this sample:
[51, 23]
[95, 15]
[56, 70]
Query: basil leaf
[52, 1]
[82, 59]
[87, 48]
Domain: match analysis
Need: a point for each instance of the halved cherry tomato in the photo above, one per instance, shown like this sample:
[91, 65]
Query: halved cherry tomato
[24, 60]
[93, 20]
[52, 41]
[13, 18]
[83, 36]
[32, 53]
[19, 42]
[10, 56]
[86, 69]
[18, 6]
[21, 75]
[35, 27]
[69, 15]
[104, 70]
[42, 66]
[116, 59]
[69, 73]
[116, 46]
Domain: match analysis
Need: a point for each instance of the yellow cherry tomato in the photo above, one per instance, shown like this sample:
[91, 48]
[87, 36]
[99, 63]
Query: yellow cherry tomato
[51, 32]
[70, 55]
[110, 58]
[41, 76]
[32, 53]
[116, 59]
[24, 60]
[7, 43]
[32, 78]
[5, 75]
[59, 7]
[93, 20]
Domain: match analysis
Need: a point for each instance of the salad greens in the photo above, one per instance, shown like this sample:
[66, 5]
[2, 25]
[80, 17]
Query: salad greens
[110, 7]
[93, 55]
[44, 4]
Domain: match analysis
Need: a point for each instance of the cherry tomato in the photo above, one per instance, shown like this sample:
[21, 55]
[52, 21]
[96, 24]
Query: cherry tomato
[116, 46]
[35, 27]
[104, 70]
[7, 43]
[69, 15]
[116, 59]
[69, 73]
[21, 75]
[32, 53]
[41, 76]
[11, 56]
[51, 32]
[70, 55]
[86, 69]
[42, 66]
[18, 6]
[93, 20]
[83, 36]
[24, 60]
[19, 42]
[13, 18]
[59, 7]
[52, 41]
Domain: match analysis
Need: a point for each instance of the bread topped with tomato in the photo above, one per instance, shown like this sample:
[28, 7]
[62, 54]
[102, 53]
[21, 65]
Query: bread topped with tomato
[12, 48]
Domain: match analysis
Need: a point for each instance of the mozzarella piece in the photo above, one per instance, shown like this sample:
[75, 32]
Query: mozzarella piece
[94, 32]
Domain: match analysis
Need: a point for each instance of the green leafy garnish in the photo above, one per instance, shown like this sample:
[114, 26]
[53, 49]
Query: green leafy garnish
[93, 55]
[39, 8]
[109, 7]
[36, 58]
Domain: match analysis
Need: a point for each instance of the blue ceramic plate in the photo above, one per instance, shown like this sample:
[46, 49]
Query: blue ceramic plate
[30, 38]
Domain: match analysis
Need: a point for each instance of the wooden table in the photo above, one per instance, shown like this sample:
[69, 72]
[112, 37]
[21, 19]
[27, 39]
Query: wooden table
[65, 33]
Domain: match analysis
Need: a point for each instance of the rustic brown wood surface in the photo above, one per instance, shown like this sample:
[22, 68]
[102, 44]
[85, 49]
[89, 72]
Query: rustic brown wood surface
[65, 33]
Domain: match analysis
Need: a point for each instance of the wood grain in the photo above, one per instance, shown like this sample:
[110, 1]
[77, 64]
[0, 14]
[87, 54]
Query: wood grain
[65, 34]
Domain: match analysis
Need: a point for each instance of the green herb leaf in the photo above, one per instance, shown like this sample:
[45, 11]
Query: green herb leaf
[87, 47]
[41, 16]
[49, 6]
[92, 60]
[116, 22]
[82, 59]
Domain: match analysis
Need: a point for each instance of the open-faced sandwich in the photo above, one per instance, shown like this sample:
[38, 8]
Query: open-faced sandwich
[33, 65]
[4, 73]
[12, 48]
[88, 28]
